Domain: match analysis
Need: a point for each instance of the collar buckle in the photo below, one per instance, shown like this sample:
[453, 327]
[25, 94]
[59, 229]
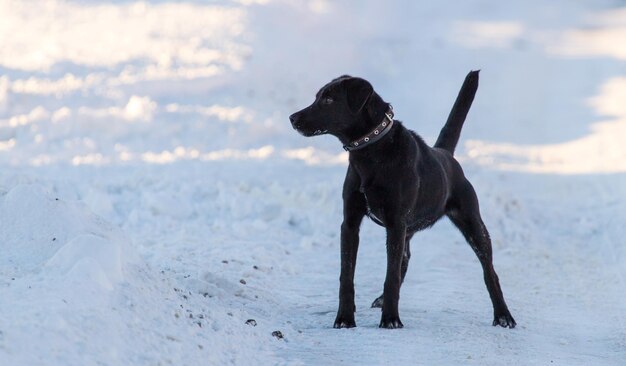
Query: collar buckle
[389, 113]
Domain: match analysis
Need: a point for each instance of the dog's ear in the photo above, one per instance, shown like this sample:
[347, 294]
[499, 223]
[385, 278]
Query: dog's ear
[358, 91]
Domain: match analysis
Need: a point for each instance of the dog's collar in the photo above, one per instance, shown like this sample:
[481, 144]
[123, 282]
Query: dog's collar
[376, 134]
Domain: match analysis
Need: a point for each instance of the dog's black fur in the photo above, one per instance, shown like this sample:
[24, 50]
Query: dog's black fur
[402, 184]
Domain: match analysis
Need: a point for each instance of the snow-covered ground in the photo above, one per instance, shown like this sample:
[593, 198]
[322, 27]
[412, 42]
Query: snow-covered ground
[154, 198]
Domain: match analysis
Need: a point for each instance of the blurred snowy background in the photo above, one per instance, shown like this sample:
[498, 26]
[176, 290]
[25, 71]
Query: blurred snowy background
[153, 196]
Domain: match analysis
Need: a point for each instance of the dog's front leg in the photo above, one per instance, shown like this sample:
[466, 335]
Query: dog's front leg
[396, 234]
[354, 211]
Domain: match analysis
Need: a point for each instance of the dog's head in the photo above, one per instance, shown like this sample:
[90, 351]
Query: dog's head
[344, 108]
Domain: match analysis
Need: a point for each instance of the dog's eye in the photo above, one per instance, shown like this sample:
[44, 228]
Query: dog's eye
[327, 100]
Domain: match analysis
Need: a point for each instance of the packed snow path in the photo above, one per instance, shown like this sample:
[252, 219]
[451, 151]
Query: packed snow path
[153, 197]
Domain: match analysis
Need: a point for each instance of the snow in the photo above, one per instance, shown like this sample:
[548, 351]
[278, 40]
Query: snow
[154, 198]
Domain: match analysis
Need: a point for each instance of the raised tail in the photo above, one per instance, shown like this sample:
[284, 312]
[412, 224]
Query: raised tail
[451, 131]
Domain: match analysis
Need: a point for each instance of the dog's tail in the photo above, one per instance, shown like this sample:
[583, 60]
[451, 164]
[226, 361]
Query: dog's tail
[450, 133]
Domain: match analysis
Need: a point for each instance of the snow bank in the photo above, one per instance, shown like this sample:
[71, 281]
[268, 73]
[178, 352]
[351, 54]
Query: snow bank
[74, 288]
[90, 257]
[39, 231]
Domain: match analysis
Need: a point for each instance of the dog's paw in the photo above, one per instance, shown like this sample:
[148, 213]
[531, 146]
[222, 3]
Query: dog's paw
[504, 320]
[390, 323]
[344, 322]
[378, 303]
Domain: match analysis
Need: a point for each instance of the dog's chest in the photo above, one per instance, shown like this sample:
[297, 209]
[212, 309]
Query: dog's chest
[370, 213]
[374, 209]
[417, 218]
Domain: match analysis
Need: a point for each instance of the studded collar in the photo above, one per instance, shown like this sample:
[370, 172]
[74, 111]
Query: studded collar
[376, 134]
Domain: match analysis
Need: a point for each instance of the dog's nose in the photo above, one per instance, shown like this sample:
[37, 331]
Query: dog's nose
[293, 118]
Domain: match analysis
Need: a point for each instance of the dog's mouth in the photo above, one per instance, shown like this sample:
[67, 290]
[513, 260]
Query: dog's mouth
[310, 133]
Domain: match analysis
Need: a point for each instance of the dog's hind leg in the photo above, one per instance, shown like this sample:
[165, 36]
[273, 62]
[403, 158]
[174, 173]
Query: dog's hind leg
[378, 303]
[465, 214]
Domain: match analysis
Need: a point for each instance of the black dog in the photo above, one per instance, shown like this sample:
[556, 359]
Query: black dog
[400, 183]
